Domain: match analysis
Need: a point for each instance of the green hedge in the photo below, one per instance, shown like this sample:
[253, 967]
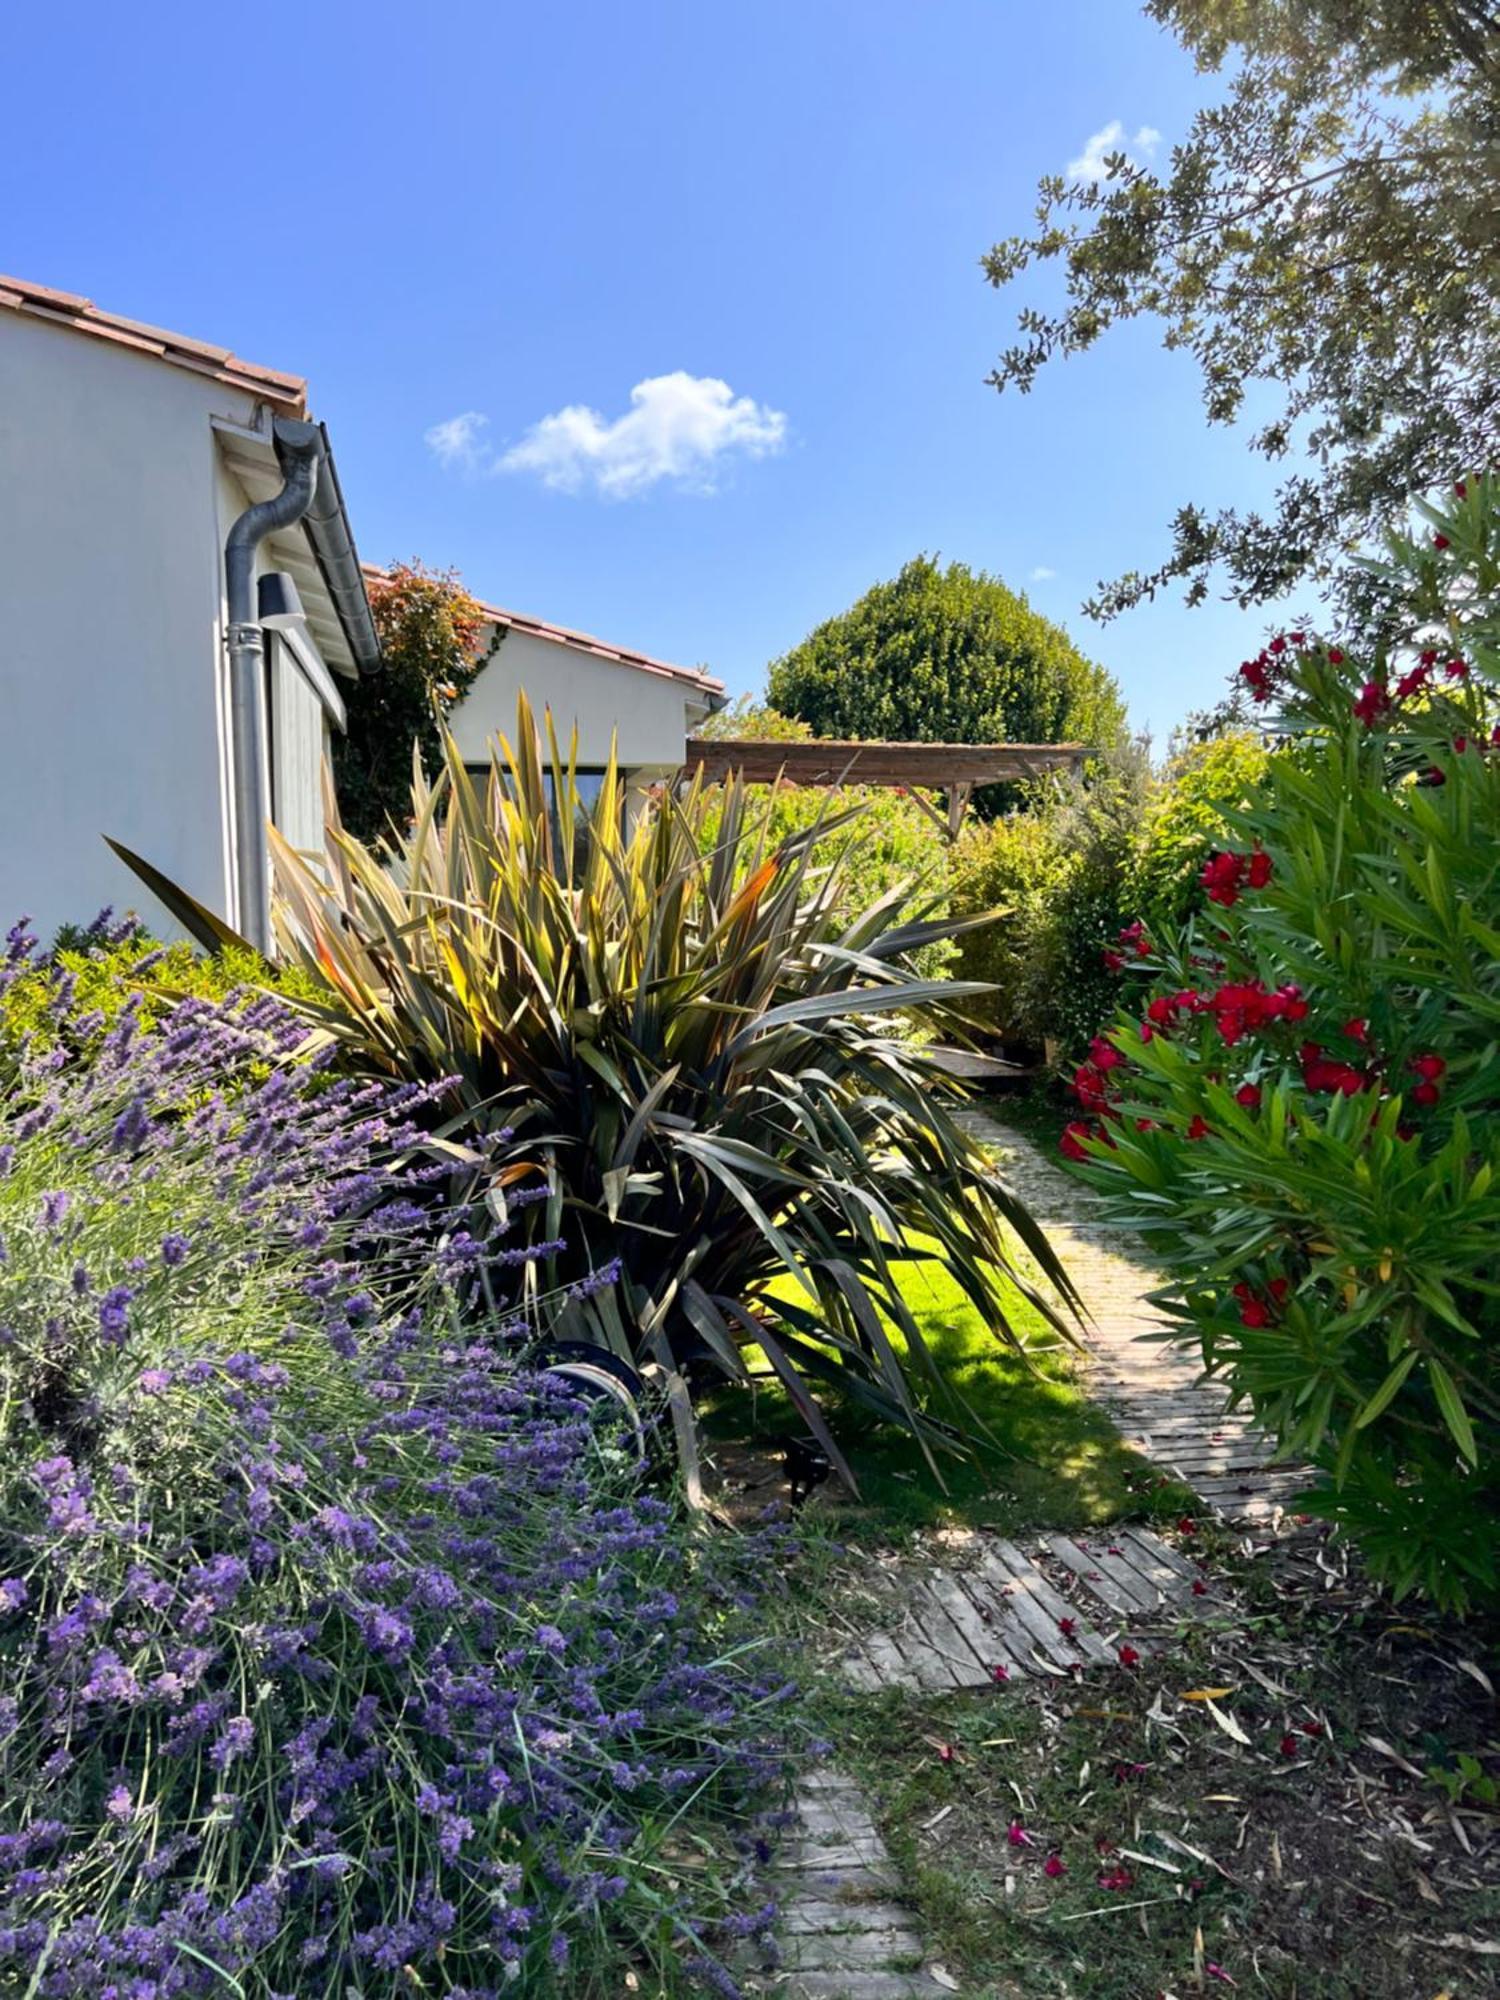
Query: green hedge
[1086, 860]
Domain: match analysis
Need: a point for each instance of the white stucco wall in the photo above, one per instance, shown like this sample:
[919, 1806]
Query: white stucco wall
[111, 671]
[648, 711]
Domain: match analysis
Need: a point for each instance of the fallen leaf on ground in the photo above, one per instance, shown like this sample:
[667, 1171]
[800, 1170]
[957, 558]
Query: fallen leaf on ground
[1205, 1694]
[1226, 1722]
[1383, 1749]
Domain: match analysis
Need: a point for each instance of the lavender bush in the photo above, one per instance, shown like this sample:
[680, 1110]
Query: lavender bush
[338, 1654]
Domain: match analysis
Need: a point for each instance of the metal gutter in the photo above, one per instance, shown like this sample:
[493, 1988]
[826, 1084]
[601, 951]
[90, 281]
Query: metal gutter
[326, 524]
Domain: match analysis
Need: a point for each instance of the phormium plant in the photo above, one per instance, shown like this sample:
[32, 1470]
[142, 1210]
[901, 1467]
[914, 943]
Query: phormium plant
[1303, 1116]
[696, 1047]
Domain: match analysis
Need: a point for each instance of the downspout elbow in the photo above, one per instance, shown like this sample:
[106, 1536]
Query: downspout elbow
[299, 448]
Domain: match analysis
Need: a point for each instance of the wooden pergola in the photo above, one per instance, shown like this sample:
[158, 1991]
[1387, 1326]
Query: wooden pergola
[953, 769]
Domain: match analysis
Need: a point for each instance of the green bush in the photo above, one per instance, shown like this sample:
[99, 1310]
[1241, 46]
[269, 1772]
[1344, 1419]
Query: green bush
[1186, 819]
[947, 656]
[694, 1047]
[887, 843]
[100, 970]
[1303, 1119]
[1087, 858]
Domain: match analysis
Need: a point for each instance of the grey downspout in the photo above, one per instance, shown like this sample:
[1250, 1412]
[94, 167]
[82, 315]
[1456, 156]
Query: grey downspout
[299, 447]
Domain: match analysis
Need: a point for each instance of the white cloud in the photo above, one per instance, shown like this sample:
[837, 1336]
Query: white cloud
[1041, 574]
[1089, 166]
[679, 427]
[457, 443]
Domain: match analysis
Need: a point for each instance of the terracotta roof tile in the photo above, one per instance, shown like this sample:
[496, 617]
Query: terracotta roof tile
[584, 642]
[69, 309]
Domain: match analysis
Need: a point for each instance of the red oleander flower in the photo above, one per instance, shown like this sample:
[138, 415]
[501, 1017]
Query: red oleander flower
[1436, 775]
[1198, 1129]
[1457, 670]
[1426, 1094]
[1440, 541]
[1187, 1525]
[1112, 960]
[999, 1672]
[1277, 645]
[1070, 1145]
[1018, 1836]
[1258, 872]
[1248, 1095]
[1428, 1067]
[945, 1753]
[1335, 656]
[1104, 1055]
[1221, 877]
[1200, 1588]
[1288, 1746]
[1460, 744]
[1212, 1970]
[1067, 1626]
[1358, 1030]
[1117, 1878]
[1089, 1087]
[1371, 702]
[1255, 1312]
[1129, 1657]
[1054, 1866]
[1311, 1728]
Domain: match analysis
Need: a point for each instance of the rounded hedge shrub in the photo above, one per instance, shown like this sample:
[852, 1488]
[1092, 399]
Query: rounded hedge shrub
[947, 656]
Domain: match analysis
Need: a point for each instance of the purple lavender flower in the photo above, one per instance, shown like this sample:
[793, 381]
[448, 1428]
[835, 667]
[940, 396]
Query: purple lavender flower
[54, 1207]
[174, 1249]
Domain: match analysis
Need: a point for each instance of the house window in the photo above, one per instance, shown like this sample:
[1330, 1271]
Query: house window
[588, 782]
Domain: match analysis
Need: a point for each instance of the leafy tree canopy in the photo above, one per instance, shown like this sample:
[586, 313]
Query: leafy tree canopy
[1331, 226]
[946, 656]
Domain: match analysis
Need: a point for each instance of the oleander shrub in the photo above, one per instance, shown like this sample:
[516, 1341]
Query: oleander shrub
[697, 1049]
[338, 1652]
[1300, 1110]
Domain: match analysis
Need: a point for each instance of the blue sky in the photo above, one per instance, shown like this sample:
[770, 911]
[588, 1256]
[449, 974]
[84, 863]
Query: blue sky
[488, 210]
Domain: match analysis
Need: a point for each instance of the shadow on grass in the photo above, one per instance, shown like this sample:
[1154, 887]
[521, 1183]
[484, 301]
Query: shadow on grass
[1050, 1454]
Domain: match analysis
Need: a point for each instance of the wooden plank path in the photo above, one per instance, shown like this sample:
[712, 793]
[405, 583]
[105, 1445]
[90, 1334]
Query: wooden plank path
[981, 1608]
[1155, 1392]
[843, 1934]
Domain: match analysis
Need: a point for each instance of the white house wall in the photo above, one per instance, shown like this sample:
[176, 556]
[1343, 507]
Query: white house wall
[111, 667]
[598, 697]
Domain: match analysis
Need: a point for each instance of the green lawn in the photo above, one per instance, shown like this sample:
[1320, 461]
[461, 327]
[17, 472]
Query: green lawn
[1055, 1456]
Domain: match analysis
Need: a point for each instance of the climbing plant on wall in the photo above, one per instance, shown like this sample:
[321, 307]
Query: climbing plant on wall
[433, 635]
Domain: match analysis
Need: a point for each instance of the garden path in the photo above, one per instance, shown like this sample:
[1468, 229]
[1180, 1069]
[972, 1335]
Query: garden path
[1155, 1393]
[844, 1934]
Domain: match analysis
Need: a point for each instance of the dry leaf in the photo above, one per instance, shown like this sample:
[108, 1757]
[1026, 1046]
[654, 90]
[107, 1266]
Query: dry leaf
[1205, 1694]
[943, 1977]
[1379, 1744]
[1456, 1941]
[1226, 1722]
[1478, 1674]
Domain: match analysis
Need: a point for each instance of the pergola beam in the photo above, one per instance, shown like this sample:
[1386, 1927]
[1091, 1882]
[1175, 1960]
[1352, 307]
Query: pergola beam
[953, 768]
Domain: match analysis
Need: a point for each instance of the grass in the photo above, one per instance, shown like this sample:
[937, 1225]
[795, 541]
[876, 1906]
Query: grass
[1329, 1873]
[1052, 1455]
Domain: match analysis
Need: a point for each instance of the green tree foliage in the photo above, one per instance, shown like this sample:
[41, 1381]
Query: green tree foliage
[1331, 226]
[1300, 1112]
[745, 716]
[432, 640]
[946, 656]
